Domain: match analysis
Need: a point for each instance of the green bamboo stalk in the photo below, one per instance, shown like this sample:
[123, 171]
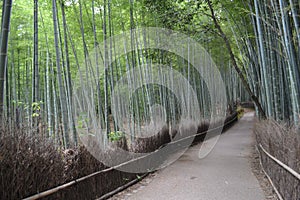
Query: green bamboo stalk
[63, 101]
[3, 49]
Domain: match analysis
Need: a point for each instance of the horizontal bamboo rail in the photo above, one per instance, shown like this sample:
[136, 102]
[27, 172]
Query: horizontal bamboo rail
[281, 164]
[66, 185]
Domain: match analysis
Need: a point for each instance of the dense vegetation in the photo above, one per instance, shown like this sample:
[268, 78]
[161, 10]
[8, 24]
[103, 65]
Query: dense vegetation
[53, 43]
[263, 37]
[62, 77]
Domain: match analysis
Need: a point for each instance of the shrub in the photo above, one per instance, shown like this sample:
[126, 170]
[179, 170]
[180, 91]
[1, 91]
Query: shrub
[27, 164]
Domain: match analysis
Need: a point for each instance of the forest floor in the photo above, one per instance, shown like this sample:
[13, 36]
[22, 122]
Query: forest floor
[230, 172]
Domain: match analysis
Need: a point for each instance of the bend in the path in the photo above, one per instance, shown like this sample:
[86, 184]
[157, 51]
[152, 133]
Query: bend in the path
[225, 174]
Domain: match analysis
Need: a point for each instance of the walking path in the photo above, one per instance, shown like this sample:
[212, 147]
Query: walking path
[225, 174]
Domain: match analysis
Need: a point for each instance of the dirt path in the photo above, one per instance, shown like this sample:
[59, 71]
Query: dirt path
[225, 174]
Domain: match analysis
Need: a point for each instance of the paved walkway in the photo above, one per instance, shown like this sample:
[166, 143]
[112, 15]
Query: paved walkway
[225, 174]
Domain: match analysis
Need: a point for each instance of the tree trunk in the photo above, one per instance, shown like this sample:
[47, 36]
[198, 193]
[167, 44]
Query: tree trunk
[3, 49]
[62, 94]
[68, 77]
[232, 57]
[35, 95]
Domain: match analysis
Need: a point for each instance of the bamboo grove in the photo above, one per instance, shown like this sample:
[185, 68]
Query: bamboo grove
[263, 37]
[270, 54]
[275, 57]
[53, 47]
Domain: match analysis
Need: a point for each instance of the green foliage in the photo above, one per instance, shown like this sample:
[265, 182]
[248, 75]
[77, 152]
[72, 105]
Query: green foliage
[36, 108]
[116, 136]
[82, 121]
[186, 16]
[138, 177]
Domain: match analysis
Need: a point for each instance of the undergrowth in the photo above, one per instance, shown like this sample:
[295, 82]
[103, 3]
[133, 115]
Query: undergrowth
[282, 142]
